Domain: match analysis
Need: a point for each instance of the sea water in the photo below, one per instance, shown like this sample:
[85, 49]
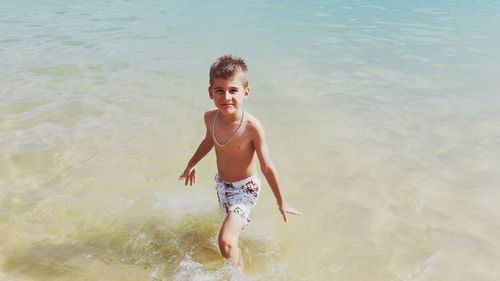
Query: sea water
[382, 117]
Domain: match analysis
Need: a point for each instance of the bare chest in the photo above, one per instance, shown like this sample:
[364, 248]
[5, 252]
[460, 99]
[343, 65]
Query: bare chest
[232, 140]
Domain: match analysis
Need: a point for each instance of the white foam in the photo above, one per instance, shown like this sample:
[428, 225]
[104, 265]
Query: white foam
[189, 270]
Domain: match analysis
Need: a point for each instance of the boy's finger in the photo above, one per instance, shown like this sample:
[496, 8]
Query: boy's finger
[294, 212]
[284, 216]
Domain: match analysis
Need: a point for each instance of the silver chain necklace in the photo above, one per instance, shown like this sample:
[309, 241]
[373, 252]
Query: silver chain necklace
[232, 135]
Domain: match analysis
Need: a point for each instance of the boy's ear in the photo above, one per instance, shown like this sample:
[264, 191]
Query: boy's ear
[247, 92]
[210, 92]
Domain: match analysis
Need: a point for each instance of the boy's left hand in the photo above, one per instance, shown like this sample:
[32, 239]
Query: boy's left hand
[284, 209]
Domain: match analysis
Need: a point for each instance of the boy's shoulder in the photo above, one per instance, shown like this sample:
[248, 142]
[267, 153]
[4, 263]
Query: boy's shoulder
[209, 115]
[211, 112]
[251, 119]
[253, 125]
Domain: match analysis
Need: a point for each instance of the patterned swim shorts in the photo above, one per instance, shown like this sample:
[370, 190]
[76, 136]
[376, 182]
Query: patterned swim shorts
[239, 197]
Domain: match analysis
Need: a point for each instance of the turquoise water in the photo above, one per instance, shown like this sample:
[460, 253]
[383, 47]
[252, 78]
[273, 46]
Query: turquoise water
[383, 118]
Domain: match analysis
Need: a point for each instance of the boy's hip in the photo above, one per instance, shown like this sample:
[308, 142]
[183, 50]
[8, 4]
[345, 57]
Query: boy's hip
[246, 190]
[254, 179]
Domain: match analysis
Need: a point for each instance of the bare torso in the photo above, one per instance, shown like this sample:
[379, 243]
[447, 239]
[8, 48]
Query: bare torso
[235, 161]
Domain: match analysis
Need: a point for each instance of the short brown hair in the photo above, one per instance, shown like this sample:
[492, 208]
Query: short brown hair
[227, 67]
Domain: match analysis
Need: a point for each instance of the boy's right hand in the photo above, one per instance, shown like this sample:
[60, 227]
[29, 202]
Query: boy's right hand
[188, 176]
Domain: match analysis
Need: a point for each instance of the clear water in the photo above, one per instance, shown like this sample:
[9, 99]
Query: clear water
[383, 118]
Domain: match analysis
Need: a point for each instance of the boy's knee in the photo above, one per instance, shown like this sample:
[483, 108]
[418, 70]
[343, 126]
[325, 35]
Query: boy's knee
[226, 243]
[227, 239]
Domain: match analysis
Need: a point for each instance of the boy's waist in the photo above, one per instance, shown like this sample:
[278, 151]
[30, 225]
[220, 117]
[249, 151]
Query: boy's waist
[238, 182]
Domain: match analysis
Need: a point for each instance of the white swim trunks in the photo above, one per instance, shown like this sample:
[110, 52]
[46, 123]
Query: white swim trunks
[239, 197]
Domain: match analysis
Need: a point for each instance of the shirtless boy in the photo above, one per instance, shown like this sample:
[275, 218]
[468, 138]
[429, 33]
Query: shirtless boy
[236, 136]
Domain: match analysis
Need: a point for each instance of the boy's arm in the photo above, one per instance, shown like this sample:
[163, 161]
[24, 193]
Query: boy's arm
[189, 174]
[268, 169]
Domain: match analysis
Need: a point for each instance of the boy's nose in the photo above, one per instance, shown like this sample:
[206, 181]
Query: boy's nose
[227, 96]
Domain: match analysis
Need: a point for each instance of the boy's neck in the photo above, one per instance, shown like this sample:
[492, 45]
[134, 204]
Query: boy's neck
[231, 117]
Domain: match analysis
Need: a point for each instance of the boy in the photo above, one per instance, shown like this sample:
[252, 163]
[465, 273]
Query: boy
[236, 136]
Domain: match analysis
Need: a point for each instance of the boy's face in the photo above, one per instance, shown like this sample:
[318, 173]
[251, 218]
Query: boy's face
[228, 94]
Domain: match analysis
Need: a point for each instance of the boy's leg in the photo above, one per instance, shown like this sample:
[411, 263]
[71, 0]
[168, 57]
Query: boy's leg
[228, 238]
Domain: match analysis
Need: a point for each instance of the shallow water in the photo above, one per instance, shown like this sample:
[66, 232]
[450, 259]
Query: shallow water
[383, 119]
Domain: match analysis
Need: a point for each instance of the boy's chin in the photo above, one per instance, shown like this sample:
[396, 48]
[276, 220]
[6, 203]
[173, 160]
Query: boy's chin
[227, 109]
